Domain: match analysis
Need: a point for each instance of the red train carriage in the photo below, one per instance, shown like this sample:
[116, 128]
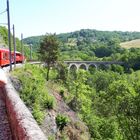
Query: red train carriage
[19, 57]
[4, 57]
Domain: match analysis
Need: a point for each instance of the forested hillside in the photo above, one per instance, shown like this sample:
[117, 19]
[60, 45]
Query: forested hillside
[89, 44]
[88, 36]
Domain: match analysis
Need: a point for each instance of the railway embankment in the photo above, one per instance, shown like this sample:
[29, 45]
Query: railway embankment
[21, 122]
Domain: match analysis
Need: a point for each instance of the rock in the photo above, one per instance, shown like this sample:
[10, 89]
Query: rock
[16, 83]
[75, 130]
[49, 126]
[3, 78]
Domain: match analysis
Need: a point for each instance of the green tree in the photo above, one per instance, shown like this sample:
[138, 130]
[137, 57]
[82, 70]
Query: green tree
[124, 102]
[4, 34]
[48, 51]
[62, 72]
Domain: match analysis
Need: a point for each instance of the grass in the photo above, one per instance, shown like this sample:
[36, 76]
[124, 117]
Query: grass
[131, 44]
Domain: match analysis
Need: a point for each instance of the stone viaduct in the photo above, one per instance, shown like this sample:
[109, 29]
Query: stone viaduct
[87, 64]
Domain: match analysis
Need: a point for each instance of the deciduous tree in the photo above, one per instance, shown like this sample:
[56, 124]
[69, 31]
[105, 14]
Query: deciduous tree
[48, 51]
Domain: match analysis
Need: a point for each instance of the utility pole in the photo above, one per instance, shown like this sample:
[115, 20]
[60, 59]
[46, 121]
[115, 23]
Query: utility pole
[14, 43]
[30, 51]
[9, 35]
[22, 49]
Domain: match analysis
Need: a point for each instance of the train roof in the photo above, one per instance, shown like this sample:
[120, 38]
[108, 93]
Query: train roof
[4, 49]
[17, 52]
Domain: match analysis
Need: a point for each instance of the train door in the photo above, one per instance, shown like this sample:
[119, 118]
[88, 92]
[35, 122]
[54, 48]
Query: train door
[5, 58]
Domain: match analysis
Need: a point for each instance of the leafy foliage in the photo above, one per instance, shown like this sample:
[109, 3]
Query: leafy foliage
[89, 44]
[61, 121]
[4, 34]
[48, 51]
[34, 92]
[107, 102]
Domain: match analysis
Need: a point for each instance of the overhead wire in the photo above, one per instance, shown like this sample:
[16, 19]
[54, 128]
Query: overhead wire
[3, 12]
[4, 23]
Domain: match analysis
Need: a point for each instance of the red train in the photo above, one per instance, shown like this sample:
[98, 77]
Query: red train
[4, 57]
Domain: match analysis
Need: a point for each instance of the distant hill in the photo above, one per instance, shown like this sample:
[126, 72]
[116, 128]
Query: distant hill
[131, 44]
[88, 36]
[88, 44]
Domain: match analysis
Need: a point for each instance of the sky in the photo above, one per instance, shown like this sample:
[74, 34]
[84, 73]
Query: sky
[38, 17]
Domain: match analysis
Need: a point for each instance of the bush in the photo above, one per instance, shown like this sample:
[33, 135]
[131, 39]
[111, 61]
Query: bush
[62, 92]
[61, 121]
[52, 137]
[48, 102]
[37, 113]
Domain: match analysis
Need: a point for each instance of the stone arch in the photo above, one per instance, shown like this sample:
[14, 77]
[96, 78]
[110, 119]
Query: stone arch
[83, 66]
[73, 67]
[103, 66]
[92, 67]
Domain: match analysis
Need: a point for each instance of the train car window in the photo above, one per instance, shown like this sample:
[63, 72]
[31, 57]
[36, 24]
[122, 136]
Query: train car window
[5, 56]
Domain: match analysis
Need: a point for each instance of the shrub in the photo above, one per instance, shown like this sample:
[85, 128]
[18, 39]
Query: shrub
[62, 92]
[37, 113]
[48, 102]
[52, 137]
[61, 121]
